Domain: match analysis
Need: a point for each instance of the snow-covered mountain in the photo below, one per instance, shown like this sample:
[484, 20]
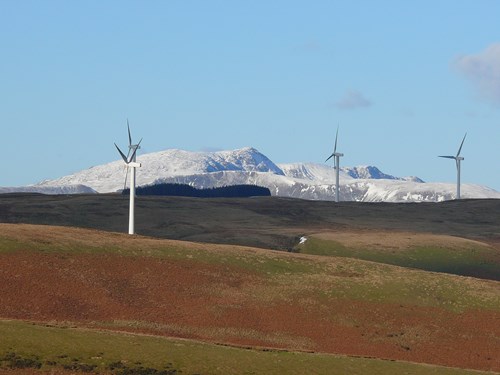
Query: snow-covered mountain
[373, 172]
[111, 177]
[249, 166]
[324, 173]
[62, 189]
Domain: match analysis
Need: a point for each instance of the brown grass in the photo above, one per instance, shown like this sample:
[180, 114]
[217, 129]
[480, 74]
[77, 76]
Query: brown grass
[172, 288]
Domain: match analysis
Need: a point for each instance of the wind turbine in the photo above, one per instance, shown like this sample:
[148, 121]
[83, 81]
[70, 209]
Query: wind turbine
[458, 159]
[131, 148]
[336, 164]
[130, 162]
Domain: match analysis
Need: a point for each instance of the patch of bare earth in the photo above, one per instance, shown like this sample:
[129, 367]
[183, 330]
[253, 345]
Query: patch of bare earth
[222, 303]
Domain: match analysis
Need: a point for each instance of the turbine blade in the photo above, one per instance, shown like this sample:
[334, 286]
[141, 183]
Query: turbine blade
[447, 157]
[129, 136]
[122, 154]
[135, 150]
[330, 157]
[336, 136]
[461, 144]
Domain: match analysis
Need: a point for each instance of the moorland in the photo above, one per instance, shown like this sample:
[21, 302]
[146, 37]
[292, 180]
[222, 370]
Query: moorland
[256, 285]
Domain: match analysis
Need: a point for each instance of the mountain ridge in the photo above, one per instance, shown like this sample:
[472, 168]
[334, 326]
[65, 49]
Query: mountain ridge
[249, 166]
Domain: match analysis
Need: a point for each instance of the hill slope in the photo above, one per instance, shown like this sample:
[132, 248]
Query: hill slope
[53, 347]
[270, 222]
[247, 296]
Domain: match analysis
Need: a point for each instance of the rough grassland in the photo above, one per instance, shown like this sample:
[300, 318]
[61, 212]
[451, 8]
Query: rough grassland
[438, 253]
[247, 296]
[55, 348]
[267, 222]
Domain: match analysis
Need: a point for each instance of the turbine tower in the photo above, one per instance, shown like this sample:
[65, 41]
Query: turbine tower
[130, 162]
[458, 159]
[336, 164]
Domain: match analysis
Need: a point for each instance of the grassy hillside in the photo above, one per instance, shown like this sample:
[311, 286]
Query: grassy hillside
[47, 347]
[438, 253]
[247, 296]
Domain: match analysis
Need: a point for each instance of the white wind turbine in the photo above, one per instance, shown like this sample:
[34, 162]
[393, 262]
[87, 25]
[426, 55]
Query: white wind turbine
[131, 149]
[130, 162]
[458, 159]
[336, 165]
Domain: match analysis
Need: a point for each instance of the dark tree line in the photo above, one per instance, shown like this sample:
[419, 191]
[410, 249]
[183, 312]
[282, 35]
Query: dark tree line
[183, 190]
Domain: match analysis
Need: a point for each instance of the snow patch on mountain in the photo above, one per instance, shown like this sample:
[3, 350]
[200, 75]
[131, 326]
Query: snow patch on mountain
[369, 171]
[111, 177]
[320, 173]
[361, 190]
[248, 166]
[326, 174]
[51, 190]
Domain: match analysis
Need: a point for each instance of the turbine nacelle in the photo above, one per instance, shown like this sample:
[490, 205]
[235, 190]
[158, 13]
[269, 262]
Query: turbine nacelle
[134, 164]
[128, 159]
[452, 157]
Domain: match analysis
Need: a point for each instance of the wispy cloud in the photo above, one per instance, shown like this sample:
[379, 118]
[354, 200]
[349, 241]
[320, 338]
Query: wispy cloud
[309, 46]
[210, 149]
[483, 70]
[353, 99]
[407, 112]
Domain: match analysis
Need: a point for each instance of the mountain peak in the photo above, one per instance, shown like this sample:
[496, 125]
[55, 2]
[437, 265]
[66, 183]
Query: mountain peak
[248, 166]
[372, 172]
[168, 163]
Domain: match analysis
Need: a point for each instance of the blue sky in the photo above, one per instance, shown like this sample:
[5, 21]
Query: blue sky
[405, 81]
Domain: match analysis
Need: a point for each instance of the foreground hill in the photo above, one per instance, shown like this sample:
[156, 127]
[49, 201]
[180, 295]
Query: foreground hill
[51, 347]
[247, 296]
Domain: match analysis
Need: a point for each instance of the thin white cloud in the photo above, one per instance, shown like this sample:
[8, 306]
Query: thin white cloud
[483, 70]
[210, 149]
[309, 46]
[353, 99]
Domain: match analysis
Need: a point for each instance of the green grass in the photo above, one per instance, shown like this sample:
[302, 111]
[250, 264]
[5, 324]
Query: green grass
[473, 261]
[9, 245]
[419, 291]
[102, 351]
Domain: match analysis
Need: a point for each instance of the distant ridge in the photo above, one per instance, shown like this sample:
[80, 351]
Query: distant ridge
[370, 171]
[248, 166]
[63, 189]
